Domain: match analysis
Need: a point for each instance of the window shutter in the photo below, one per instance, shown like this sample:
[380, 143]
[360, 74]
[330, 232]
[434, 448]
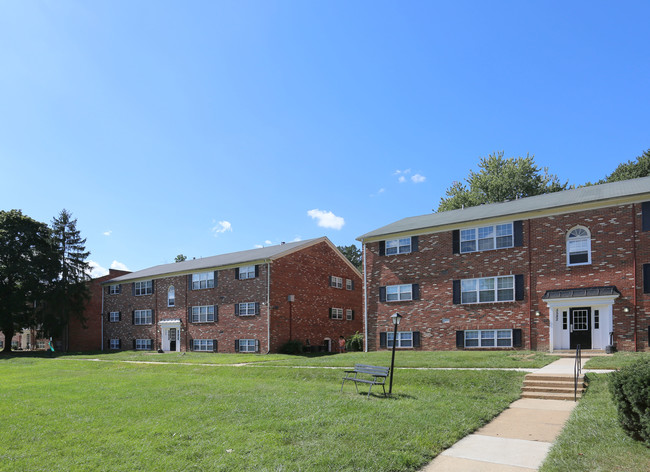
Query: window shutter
[645, 216]
[416, 339]
[134, 344]
[460, 339]
[330, 313]
[119, 316]
[189, 314]
[455, 241]
[518, 229]
[456, 292]
[133, 317]
[214, 345]
[382, 248]
[236, 345]
[216, 313]
[352, 315]
[382, 294]
[330, 280]
[216, 277]
[519, 287]
[152, 286]
[189, 282]
[190, 344]
[133, 289]
[257, 270]
[415, 290]
[415, 243]
[236, 273]
[236, 309]
[151, 344]
[119, 288]
[516, 338]
[257, 308]
[352, 285]
[119, 343]
[646, 278]
[382, 340]
[153, 317]
[257, 345]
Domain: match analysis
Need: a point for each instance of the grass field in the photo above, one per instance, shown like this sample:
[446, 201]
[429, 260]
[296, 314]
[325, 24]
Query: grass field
[593, 440]
[618, 360]
[66, 415]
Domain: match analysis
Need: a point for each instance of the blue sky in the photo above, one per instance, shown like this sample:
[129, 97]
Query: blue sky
[206, 127]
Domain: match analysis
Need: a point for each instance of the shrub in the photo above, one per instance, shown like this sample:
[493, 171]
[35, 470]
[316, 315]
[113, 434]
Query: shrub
[630, 388]
[354, 342]
[291, 347]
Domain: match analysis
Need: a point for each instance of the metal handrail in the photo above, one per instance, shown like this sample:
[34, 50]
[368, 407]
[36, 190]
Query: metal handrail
[577, 370]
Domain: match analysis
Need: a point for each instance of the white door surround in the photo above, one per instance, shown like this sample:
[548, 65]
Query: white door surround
[170, 328]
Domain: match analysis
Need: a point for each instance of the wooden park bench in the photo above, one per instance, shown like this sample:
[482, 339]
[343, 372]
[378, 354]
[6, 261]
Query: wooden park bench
[371, 374]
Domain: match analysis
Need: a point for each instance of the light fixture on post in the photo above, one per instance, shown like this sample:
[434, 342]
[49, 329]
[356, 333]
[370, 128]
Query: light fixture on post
[396, 318]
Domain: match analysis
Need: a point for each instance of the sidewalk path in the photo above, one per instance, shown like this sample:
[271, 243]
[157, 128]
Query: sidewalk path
[517, 440]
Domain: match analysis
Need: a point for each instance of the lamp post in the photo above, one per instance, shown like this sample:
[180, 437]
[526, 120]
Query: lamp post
[396, 318]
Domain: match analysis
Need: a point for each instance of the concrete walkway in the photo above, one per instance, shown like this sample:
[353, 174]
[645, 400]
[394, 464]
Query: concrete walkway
[517, 440]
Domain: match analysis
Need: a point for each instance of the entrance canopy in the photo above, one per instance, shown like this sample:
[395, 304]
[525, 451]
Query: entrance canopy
[609, 292]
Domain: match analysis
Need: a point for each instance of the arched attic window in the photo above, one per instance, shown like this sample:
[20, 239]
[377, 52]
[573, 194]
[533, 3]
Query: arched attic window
[171, 296]
[578, 246]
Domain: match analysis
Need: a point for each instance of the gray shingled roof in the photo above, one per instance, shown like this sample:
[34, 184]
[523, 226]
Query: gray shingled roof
[213, 262]
[557, 200]
[580, 293]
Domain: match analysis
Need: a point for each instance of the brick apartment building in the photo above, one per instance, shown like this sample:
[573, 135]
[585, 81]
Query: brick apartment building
[543, 273]
[249, 301]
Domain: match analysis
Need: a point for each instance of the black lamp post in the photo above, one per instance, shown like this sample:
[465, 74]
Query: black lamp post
[396, 318]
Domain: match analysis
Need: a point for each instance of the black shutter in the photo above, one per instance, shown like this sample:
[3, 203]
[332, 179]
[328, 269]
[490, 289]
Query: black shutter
[646, 278]
[645, 216]
[190, 345]
[189, 314]
[134, 344]
[257, 308]
[416, 339]
[152, 286]
[119, 288]
[352, 285]
[216, 313]
[415, 290]
[330, 313]
[382, 294]
[455, 241]
[151, 344]
[382, 340]
[189, 282]
[119, 343]
[456, 292]
[330, 280]
[133, 317]
[133, 289]
[518, 230]
[119, 316]
[415, 244]
[519, 287]
[236, 345]
[236, 273]
[257, 270]
[352, 315]
[382, 248]
[216, 278]
[516, 338]
[153, 317]
[257, 345]
[236, 309]
[460, 339]
[214, 345]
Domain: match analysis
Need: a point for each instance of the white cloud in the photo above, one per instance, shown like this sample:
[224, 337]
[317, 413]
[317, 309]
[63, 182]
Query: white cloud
[222, 227]
[379, 192]
[107, 233]
[401, 179]
[119, 266]
[402, 172]
[327, 219]
[96, 270]
[418, 179]
[296, 239]
[267, 242]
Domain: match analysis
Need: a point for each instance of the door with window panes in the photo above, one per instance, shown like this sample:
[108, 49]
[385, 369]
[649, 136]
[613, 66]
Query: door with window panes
[580, 328]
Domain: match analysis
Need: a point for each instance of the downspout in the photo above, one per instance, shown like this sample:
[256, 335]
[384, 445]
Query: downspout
[365, 300]
[268, 307]
[636, 347]
[101, 317]
[530, 292]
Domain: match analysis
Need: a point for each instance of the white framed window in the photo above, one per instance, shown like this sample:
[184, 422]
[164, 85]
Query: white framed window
[114, 316]
[143, 288]
[404, 339]
[578, 246]
[487, 289]
[247, 345]
[349, 314]
[488, 338]
[203, 280]
[142, 317]
[205, 345]
[114, 289]
[247, 272]
[247, 309]
[171, 296]
[40, 344]
[115, 344]
[486, 238]
[143, 344]
[336, 282]
[398, 246]
[349, 285]
[336, 313]
[396, 293]
[202, 314]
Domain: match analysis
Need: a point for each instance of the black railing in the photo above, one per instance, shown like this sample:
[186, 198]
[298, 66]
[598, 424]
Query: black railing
[577, 370]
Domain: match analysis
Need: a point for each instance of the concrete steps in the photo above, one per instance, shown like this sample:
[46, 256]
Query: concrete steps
[552, 386]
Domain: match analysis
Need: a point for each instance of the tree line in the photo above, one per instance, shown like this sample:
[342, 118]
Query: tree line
[43, 274]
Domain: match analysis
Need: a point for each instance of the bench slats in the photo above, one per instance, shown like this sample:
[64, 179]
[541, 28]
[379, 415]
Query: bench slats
[377, 373]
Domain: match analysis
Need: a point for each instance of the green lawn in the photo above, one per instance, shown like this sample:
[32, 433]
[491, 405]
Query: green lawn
[437, 359]
[67, 415]
[593, 440]
[618, 360]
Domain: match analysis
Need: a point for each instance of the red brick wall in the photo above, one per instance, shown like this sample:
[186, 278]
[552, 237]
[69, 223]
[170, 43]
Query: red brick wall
[617, 242]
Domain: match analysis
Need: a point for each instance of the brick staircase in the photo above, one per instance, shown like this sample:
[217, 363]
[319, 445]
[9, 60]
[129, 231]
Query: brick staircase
[552, 386]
